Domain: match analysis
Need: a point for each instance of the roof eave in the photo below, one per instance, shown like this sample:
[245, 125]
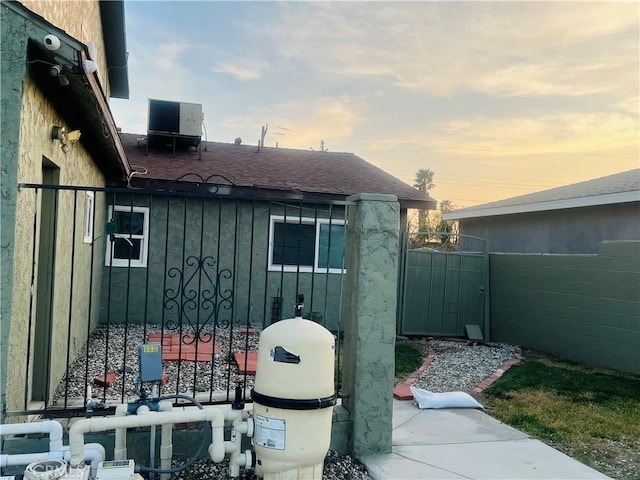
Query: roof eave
[590, 201]
[82, 104]
[115, 44]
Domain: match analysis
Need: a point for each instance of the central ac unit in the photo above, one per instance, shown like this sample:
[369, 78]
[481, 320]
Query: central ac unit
[175, 118]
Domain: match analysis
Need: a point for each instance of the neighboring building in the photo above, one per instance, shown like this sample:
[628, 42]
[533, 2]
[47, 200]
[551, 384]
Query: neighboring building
[61, 61]
[273, 219]
[571, 219]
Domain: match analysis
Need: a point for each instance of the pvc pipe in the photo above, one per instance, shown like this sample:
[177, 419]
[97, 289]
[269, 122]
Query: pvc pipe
[51, 427]
[152, 435]
[93, 452]
[236, 458]
[100, 424]
[120, 442]
[166, 442]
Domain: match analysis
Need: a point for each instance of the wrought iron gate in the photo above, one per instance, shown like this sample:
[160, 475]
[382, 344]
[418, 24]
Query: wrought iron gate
[199, 271]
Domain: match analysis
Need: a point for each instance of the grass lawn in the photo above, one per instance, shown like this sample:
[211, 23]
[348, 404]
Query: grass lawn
[408, 360]
[588, 413]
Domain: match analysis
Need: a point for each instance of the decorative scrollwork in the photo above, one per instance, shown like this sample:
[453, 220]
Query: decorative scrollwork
[196, 297]
[215, 184]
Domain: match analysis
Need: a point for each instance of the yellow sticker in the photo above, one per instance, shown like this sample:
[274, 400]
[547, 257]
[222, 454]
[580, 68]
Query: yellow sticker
[150, 349]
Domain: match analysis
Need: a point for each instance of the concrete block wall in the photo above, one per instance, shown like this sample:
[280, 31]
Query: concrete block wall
[584, 308]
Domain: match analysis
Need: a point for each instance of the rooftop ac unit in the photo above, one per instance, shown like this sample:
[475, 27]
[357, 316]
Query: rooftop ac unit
[175, 118]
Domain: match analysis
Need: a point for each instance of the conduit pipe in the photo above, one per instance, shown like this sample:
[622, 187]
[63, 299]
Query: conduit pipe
[101, 424]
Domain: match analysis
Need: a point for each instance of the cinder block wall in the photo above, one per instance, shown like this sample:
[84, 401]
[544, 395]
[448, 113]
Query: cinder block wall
[584, 308]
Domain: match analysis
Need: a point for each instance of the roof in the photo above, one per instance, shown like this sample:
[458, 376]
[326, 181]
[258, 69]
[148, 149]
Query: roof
[312, 174]
[617, 188]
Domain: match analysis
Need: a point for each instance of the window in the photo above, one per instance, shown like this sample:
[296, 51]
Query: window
[128, 236]
[306, 245]
[87, 236]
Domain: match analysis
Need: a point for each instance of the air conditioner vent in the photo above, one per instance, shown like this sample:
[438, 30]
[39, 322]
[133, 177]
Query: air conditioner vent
[164, 116]
[177, 123]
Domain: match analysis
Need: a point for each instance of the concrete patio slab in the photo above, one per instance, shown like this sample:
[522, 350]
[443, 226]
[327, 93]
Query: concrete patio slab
[467, 444]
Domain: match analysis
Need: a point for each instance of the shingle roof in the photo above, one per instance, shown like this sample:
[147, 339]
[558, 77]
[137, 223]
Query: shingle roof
[617, 188]
[278, 169]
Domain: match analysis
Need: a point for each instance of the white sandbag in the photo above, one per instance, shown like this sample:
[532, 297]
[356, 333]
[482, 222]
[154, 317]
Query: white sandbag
[426, 399]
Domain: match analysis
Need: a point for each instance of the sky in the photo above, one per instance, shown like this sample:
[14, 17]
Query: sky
[498, 99]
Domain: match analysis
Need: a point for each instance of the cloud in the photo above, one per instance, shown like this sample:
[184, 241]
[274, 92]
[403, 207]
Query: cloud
[299, 123]
[240, 72]
[562, 133]
[504, 49]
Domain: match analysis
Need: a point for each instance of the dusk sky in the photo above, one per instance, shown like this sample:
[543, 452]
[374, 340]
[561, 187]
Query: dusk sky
[497, 98]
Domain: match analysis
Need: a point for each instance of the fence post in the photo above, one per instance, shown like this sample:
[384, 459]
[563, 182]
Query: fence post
[370, 320]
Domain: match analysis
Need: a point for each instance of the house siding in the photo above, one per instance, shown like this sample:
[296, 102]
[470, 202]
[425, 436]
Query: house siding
[584, 308]
[27, 120]
[235, 234]
[577, 230]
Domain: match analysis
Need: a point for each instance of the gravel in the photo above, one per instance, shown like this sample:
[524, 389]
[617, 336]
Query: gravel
[121, 354]
[461, 366]
[336, 467]
[456, 367]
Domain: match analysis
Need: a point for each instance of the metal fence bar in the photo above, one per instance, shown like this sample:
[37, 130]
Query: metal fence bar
[130, 301]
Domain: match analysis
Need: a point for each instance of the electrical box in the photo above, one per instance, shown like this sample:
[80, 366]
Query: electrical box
[150, 362]
[115, 470]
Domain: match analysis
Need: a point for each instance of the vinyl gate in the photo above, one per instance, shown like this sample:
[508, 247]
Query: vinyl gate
[443, 285]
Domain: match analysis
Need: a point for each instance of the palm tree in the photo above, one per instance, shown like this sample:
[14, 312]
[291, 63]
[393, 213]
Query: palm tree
[424, 180]
[424, 183]
[446, 226]
[445, 206]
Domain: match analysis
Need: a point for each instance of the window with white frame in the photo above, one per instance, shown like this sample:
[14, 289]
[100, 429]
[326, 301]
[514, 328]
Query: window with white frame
[128, 236]
[87, 236]
[302, 244]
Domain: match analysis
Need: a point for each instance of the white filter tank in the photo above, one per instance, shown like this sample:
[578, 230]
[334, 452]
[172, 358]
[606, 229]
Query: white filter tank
[293, 398]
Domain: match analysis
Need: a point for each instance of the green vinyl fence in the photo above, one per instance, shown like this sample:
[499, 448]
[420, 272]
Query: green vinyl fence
[443, 285]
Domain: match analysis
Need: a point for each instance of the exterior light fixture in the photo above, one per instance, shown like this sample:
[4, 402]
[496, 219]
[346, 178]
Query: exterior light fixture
[65, 138]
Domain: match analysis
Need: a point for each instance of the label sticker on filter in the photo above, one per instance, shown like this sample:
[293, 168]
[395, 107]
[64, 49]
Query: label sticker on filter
[270, 432]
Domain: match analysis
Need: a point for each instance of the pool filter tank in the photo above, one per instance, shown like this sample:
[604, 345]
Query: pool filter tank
[293, 398]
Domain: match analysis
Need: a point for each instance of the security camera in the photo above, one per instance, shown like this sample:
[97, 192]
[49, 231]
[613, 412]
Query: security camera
[89, 66]
[55, 70]
[51, 42]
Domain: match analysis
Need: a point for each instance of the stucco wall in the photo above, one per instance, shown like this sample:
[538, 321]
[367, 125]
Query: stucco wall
[577, 230]
[27, 120]
[581, 307]
[70, 316]
[180, 228]
[13, 44]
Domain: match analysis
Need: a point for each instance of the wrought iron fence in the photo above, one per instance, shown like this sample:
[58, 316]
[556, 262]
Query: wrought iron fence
[200, 271]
